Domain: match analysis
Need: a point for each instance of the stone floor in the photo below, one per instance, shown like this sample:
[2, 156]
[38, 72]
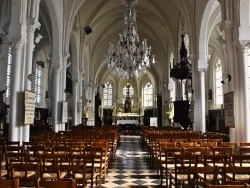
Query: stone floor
[131, 167]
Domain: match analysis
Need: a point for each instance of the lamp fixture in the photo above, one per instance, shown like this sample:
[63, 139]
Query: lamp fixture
[131, 57]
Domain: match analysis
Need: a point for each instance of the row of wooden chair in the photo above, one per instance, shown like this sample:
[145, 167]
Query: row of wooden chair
[40, 183]
[62, 155]
[180, 168]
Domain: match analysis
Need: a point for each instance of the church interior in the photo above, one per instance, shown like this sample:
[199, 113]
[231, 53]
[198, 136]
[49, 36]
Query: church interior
[133, 78]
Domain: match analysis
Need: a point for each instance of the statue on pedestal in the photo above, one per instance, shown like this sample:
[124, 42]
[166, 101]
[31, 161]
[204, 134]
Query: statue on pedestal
[142, 109]
[127, 105]
[3, 106]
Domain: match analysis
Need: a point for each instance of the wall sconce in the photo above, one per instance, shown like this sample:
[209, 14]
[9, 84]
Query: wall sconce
[38, 38]
[227, 79]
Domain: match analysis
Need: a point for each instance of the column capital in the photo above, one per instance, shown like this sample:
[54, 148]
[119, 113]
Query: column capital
[32, 24]
[227, 26]
[56, 69]
[17, 43]
[192, 58]
[65, 56]
[202, 62]
[243, 46]
[202, 70]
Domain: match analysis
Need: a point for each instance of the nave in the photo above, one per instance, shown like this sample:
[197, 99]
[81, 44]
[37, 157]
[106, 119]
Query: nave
[131, 166]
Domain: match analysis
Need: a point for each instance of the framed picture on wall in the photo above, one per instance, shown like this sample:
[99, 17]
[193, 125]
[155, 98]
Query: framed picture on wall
[153, 122]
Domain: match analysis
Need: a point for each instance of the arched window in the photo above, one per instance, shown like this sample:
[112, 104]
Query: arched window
[218, 84]
[108, 94]
[148, 94]
[128, 93]
[8, 78]
[38, 80]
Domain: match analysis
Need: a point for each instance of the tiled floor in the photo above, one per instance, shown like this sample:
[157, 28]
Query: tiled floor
[131, 167]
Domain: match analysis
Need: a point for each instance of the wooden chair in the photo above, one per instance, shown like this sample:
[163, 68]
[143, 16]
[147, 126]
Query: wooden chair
[198, 141]
[241, 160]
[27, 173]
[217, 160]
[88, 159]
[182, 162]
[217, 140]
[236, 175]
[94, 157]
[227, 186]
[9, 183]
[234, 145]
[54, 184]
[15, 158]
[3, 172]
[244, 150]
[209, 145]
[201, 151]
[48, 166]
[201, 176]
[160, 155]
[76, 171]
[223, 151]
[245, 144]
[167, 162]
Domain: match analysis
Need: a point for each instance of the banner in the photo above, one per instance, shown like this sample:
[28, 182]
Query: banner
[29, 105]
[64, 112]
[229, 109]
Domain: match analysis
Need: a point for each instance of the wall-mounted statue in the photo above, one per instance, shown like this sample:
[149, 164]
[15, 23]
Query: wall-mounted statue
[3, 106]
[127, 105]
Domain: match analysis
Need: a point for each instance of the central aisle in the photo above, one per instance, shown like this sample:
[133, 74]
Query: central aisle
[131, 167]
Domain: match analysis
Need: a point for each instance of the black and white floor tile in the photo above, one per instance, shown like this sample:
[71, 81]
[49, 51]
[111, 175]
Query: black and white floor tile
[131, 166]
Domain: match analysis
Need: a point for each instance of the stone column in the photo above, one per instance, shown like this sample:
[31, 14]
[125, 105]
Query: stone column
[76, 105]
[202, 107]
[242, 126]
[32, 26]
[56, 103]
[16, 97]
[192, 60]
[63, 83]
[228, 27]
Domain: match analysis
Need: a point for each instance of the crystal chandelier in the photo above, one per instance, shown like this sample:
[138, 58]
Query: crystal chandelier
[131, 57]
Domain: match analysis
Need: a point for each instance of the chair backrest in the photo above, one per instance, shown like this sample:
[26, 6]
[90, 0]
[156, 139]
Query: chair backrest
[76, 171]
[54, 184]
[234, 145]
[223, 151]
[193, 175]
[244, 143]
[225, 186]
[236, 172]
[244, 150]
[9, 183]
[48, 165]
[26, 173]
[1, 164]
[241, 160]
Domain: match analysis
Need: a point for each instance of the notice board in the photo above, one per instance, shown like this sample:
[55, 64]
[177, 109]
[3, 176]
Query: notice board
[229, 109]
[29, 105]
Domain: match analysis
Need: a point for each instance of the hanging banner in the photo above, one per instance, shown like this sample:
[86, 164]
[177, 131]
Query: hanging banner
[229, 109]
[64, 112]
[29, 104]
[191, 111]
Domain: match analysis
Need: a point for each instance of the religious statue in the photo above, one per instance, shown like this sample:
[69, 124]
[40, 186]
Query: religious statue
[127, 105]
[142, 109]
[3, 106]
[114, 110]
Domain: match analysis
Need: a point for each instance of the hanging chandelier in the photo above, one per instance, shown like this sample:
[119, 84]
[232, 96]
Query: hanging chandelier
[130, 57]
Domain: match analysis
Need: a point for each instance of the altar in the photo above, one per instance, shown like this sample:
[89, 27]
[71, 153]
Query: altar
[128, 122]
